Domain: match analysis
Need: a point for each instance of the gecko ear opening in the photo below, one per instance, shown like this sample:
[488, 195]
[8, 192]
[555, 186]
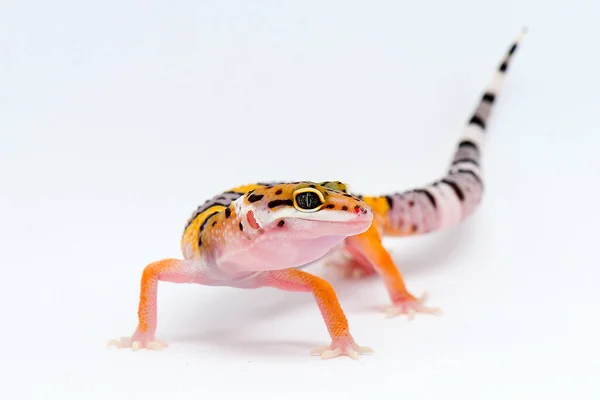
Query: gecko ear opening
[308, 199]
[252, 220]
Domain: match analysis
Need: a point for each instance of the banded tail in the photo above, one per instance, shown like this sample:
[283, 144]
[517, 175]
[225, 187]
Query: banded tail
[453, 198]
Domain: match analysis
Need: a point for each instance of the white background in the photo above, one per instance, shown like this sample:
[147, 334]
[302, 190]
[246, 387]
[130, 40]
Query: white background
[118, 118]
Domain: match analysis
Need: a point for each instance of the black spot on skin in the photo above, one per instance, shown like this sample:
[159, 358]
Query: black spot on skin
[281, 223]
[467, 160]
[199, 241]
[429, 196]
[476, 120]
[214, 223]
[411, 203]
[280, 202]
[414, 228]
[312, 186]
[390, 201]
[241, 227]
[215, 203]
[227, 212]
[330, 206]
[206, 220]
[253, 198]
[512, 49]
[347, 195]
[468, 143]
[503, 67]
[454, 187]
[279, 191]
[344, 208]
[489, 97]
[466, 171]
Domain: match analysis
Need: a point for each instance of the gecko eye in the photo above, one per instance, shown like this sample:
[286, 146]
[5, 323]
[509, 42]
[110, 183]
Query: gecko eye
[308, 199]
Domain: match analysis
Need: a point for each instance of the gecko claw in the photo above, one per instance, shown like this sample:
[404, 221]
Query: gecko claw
[410, 306]
[343, 347]
[137, 343]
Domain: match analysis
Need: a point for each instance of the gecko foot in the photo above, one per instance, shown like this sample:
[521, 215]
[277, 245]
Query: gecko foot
[411, 305]
[341, 347]
[137, 342]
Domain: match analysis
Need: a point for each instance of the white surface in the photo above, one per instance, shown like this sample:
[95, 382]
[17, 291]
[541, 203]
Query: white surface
[118, 118]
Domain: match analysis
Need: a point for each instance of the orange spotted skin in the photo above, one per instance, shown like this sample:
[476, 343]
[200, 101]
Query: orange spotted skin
[223, 219]
[217, 220]
[380, 208]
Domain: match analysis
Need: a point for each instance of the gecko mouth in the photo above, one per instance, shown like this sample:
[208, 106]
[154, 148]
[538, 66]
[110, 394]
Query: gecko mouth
[352, 227]
[359, 216]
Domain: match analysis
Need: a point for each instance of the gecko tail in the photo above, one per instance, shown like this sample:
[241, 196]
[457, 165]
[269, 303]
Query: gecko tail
[473, 133]
[458, 193]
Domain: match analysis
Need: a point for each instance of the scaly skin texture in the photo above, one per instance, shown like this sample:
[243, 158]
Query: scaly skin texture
[259, 235]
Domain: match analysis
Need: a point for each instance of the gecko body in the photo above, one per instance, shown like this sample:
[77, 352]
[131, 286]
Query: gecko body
[259, 235]
[254, 236]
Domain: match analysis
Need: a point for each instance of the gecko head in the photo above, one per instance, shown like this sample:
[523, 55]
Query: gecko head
[306, 208]
[302, 219]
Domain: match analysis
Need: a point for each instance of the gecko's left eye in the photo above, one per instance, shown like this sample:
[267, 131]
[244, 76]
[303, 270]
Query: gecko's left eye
[308, 199]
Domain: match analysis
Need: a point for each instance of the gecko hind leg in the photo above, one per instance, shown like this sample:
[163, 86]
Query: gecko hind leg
[168, 270]
[295, 280]
[368, 245]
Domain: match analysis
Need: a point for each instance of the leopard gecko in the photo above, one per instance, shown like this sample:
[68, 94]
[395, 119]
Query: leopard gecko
[262, 234]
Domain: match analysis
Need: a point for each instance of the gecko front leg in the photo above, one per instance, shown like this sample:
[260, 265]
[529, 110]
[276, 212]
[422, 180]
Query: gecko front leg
[167, 270]
[368, 245]
[342, 342]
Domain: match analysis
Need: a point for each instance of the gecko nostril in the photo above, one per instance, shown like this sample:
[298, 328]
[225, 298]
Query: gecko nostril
[359, 209]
